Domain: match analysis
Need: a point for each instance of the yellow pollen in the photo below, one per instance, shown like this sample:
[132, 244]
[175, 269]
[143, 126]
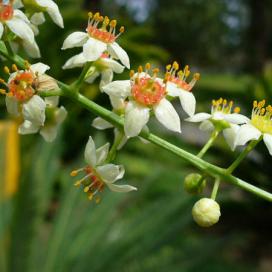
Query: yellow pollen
[237, 109]
[122, 29]
[90, 14]
[113, 23]
[86, 189]
[74, 173]
[96, 16]
[196, 76]
[131, 73]
[168, 67]
[6, 70]
[147, 66]
[77, 183]
[175, 65]
[140, 69]
[14, 68]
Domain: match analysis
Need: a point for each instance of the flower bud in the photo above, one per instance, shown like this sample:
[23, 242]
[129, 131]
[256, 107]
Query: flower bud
[46, 83]
[194, 184]
[206, 212]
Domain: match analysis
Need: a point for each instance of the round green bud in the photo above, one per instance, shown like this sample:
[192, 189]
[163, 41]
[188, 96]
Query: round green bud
[206, 212]
[194, 184]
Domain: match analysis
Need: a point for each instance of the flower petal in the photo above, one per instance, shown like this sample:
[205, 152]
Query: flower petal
[167, 115]
[21, 29]
[235, 118]
[93, 49]
[37, 18]
[121, 188]
[118, 52]
[206, 125]
[49, 133]
[230, 135]
[76, 39]
[53, 11]
[118, 88]
[52, 101]
[115, 66]
[28, 128]
[100, 123]
[199, 117]
[188, 102]
[32, 49]
[75, 61]
[110, 172]
[136, 117]
[61, 114]
[34, 110]
[1, 30]
[17, 4]
[20, 15]
[106, 77]
[92, 77]
[102, 153]
[39, 68]
[12, 106]
[267, 138]
[90, 152]
[246, 133]
[117, 103]
[172, 89]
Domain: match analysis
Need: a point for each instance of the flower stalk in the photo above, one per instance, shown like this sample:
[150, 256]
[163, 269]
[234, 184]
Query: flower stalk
[210, 142]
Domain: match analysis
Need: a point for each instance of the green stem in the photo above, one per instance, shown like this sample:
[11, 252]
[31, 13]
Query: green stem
[215, 188]
[117, 141]
[9, 49]
[77, 84]
[242, 155]
[205, 148]
[118, 122]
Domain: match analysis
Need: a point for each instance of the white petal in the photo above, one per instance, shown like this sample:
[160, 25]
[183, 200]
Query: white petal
[188, 102]
[75, 61]
[61, 115]
[206, 125]
[167, 115]
[102, 153]
[92, 77]
[118, 88]
[34, 110]
[100, 123]
[49, 133]
[115, 66]
[236, 118]
[172, 89]
[117, 103]
[246, 133]
[230, 135]
[136, 117]
[267, 138]
[21, 29]
[106, 77]
[110, 172]
[28, 128]
[20, 15]
[37, 18]
[199, 117]
[1, 30]
[52, 101]
[18, 4]
[76, 39]
[39, 68]
[93, 49]
[90, 153]
[121, 188]
[12, 106]
[32, 49]
[123, 140]
[53, 11]
[118, 52]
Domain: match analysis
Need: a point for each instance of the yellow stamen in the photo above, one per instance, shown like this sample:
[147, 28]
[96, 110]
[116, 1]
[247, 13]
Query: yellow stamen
[74, 173]
[6, 70]
[237, 109]
[122, 29]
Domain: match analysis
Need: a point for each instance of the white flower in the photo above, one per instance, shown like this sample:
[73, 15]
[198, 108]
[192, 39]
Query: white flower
[145, 93]
[17, 22]
[41, 6]
[178, 87]
[100, 38]
[221, 118]
[99, 173]
[260, 125]
[104, 66]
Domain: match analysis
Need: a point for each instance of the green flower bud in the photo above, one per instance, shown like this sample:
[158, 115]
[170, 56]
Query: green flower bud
[194, 184]
[206, 212]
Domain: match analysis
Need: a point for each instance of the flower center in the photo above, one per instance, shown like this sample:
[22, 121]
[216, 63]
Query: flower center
[21, 86]
[261, 117]
[223, 106]
[179, 77]
[6, 12]
[147, 90]
[101, 28]
[92, 182]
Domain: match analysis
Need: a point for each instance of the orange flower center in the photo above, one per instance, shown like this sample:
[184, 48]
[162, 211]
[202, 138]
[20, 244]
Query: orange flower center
[21, 86]
[147, 91]
[6, 12]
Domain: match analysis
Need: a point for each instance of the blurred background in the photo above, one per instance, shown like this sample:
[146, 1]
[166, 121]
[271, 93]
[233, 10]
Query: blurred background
[47, 224]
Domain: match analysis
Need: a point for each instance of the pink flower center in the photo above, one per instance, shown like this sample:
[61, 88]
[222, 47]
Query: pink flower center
[6, 12]
[101, 28]
[21, 86]
[147, 91]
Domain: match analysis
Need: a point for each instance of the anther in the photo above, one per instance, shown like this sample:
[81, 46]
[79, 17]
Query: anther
[122, 29]
[2, 91]
[140, 69]
[113, 23]
[90, 15]
[14, 68]
[168, 67]
[6, 70]
[131, 73]
[175, 65]
[74, 173]
[237, 110]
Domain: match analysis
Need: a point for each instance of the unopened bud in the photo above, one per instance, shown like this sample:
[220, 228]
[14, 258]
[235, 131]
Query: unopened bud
[206, 212]
[194, 183]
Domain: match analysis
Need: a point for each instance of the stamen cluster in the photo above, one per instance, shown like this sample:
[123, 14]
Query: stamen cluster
[261, 116]
[146, 89]
[6, 12]
[102, 28]
[179, 77]
[222, 105]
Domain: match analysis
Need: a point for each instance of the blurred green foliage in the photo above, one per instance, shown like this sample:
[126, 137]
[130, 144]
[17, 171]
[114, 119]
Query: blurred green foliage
[51, 226]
